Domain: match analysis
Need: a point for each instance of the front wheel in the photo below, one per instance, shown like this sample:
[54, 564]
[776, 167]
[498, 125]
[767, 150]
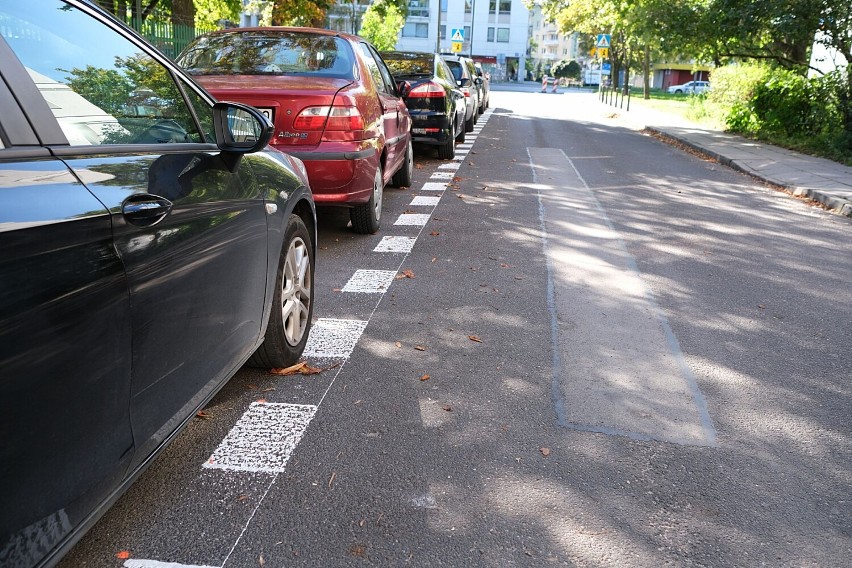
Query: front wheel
[292, 304]
[365, 218]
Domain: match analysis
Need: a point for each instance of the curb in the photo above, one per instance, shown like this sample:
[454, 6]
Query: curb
[837, 205]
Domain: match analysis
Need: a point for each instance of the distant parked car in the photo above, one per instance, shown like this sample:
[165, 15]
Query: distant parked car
[465, 74]
[332, 100]
[436, 104]
[484, 87]
[150, 245]
[692, 87]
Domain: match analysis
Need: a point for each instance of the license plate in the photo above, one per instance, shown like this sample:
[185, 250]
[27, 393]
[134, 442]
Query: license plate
[267, 112]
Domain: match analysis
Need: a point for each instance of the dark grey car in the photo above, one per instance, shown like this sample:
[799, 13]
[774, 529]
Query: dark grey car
[465, 74]
[149, 246]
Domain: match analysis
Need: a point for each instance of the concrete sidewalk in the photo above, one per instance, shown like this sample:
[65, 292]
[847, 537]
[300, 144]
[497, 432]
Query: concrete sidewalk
[826, 182]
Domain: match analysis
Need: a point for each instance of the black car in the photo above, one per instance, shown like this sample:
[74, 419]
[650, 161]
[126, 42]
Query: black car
[465, 75]
[150, 245]
[436, 105]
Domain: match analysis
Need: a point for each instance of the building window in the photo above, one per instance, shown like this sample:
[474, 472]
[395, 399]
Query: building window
[418, 8]
[414, 29]
[505, 6]
[467, 33]
[442, 32]
[443, 5]
[467, 6]
[503, 35]
[490, 34]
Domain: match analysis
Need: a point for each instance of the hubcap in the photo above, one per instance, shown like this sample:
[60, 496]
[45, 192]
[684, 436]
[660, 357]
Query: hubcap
[296, 291]
[378, 190]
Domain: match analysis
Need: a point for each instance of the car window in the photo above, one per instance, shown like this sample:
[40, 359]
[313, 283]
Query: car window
[101, 87]
[383, 69]
[402, 64]
[269, 53]
[456, 69]
[373, 66]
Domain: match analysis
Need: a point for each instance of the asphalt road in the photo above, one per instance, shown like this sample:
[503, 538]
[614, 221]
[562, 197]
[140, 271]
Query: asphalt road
[598, 351]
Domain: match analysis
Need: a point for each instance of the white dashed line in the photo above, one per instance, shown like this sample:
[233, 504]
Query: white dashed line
[425, 201]
[370, 281]
[460, 156]
[334, 338]
[263, 439]
[433, 186]
[442, 175]
[449, 166]
[395, 244]
[141, 563]
[412, 219]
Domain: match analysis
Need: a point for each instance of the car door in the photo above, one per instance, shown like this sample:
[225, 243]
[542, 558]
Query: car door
[65, 338]
[396, 120]
[189, 226]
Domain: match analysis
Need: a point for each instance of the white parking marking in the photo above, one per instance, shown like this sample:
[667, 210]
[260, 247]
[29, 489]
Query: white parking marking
[426, 201]
[460, 156]
[412, 219]
[370, 281]
[471, 139]
[395, 244]
[443, 175]
[263, 439]
[449, 166]
[141, 563]
[433, 186]
[333, 337]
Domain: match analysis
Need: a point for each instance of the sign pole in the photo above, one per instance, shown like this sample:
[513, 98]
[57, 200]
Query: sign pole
[438, 31]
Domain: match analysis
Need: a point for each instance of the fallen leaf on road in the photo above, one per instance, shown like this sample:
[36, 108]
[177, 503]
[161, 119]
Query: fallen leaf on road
[420, 347]
[202, 414]
[358, 550]
[398, 344]
[761, 306]
[434, 234]
[331, 479]
[261, 561]
[474, 338]
[122, 554]
[447, 407]
[425, 378]
[544, 451]
[404, 274]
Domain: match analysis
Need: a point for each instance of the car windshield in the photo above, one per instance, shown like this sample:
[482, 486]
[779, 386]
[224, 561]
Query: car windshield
[269, 53]
[408, 64]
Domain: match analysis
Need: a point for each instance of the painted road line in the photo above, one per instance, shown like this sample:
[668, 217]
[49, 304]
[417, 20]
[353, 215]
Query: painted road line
[412, 219]
[427, 201]
[442, 175]
[140, 563]
[434, 186]
[460, 156]
[263, 439]
[618, 367]
[333, 338]
[370, 281]
[449, 166]
[395, 244]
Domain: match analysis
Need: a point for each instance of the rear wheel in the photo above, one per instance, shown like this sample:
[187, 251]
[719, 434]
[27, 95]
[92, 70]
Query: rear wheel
[402, 178]
[460, 138]
[365, 218]
[468, 124]
[292, 305]
[447, 150]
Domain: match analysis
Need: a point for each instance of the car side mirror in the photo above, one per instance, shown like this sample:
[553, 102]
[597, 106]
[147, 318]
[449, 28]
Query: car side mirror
[240, 129]
[478, 80]
[464, 82]
[403, 88]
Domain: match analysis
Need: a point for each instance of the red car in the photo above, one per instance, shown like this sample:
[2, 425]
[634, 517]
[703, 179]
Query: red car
[332, 100]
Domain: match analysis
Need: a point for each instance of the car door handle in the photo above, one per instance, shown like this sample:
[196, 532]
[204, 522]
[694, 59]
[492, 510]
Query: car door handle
[144, 209]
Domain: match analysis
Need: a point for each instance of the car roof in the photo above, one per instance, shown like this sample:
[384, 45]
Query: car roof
[287, 29]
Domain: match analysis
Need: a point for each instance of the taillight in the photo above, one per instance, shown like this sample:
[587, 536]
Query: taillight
[329, 118]
[428, 90]
[466, 91]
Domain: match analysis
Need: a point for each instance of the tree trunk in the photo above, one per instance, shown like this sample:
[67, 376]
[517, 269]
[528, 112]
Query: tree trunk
[646, 71]
[183, 13]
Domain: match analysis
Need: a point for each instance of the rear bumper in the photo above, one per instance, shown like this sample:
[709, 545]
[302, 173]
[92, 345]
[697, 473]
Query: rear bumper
[430, 128]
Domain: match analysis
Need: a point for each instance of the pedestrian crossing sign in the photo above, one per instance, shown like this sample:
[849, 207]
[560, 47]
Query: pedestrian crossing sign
[603, 41]
[456, 47]
[458, 34]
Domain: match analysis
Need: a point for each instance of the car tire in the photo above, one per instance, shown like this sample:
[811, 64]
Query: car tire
[402, 178]
[366, 218]
[292, 305]
[447, 150]
[461, 137]
[468, 124]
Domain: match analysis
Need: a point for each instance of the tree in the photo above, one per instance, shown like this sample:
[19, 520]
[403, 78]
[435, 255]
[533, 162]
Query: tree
[300, 12]
[381, 24]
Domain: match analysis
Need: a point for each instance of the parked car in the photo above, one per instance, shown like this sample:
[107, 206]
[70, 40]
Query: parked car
[465, 74]
[484, 87]
[436, 105]
[332, 100]
[150, 244]
[692, 87]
